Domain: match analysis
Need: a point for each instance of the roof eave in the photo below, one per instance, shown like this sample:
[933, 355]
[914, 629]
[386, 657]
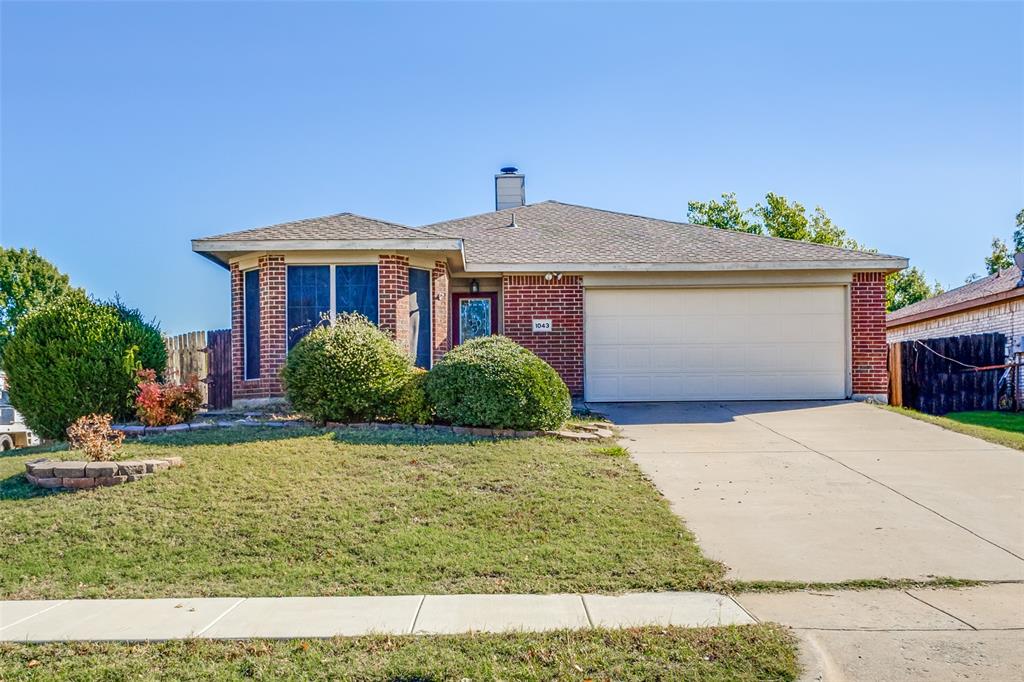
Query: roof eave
[963, 306]
[873, 265]
[220, 250]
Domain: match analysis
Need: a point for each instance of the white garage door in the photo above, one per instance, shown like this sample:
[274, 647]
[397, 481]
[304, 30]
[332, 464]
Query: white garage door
[715, 344]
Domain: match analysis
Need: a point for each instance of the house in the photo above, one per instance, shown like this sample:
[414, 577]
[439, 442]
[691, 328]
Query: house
[991, 304]
[623, 306]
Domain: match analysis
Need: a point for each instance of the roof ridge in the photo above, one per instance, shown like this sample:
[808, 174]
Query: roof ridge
[325, 217]
[512, 209]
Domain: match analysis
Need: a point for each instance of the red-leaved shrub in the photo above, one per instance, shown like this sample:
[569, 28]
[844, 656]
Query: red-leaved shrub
[164, 404]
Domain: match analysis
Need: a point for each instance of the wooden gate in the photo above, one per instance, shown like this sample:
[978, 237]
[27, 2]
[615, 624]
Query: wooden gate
[937, 376]
[218, 378]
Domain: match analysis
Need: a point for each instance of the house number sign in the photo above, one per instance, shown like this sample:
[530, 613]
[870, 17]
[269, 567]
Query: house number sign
[541, 326]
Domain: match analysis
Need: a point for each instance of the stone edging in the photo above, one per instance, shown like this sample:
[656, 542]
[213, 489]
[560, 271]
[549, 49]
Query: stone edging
[77, 475]
[591, 431]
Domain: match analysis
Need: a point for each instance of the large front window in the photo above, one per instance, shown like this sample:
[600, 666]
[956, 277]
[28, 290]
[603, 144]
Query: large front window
[313, 301]
[252, 323]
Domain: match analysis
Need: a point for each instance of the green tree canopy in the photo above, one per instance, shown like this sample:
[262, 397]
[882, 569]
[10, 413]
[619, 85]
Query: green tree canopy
[726, 215]
[27, 281]
[779, 217]
[908, 286]
[1018, 234]
[1000, 258]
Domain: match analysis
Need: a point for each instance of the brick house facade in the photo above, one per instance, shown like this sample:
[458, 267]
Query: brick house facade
[531, 272]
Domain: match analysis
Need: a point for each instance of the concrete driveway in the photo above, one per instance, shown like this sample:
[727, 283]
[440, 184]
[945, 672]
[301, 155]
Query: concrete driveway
[831, 491]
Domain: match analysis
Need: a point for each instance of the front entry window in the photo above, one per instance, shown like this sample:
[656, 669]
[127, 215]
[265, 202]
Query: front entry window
[475, 315]
[474, 318]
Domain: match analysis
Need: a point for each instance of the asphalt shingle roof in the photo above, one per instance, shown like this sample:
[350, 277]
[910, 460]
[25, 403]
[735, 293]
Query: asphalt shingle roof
[331, 227]
[1002, 281]
[553, 232]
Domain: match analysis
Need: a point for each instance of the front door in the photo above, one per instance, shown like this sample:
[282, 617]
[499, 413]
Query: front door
[474, 315]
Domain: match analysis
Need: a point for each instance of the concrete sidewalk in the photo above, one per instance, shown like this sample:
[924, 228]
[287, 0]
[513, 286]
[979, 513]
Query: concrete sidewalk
[930, 635]
[290, 617]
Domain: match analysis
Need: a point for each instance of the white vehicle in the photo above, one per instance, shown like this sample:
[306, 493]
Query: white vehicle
[13, 431]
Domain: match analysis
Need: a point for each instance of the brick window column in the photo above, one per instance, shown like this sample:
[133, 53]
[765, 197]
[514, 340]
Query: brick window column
[237, 333]
[529, 297]
[869, 352]
[273, 344]
[273, 322]
[439, 309]
[393, 296]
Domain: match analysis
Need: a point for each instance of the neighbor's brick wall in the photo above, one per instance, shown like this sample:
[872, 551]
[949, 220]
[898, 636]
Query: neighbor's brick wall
[273, 334]
[867, 328]
[439, 309]
[393, 296]
[1005, 317]
[529, 297]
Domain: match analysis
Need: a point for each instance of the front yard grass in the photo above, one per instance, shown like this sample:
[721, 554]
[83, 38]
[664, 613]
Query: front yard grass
[740, 653]
[263, 512]
[1001, 428]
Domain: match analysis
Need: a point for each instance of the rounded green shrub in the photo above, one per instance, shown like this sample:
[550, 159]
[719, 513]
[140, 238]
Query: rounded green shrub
[412, 406]
[348, 371]
[74, 357]
[495, 383]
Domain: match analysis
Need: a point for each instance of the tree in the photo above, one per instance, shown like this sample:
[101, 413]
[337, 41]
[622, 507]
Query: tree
[782, 219]
[906, 287]
[726, 215]
[1000, 259]
[1018, 234]
[778, 217]
[27, 281]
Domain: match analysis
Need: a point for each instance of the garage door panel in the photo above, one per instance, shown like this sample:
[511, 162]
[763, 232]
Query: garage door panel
[716, 344]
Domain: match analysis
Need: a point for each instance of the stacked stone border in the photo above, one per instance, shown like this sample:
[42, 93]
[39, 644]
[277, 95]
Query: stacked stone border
[74, 475]
[591, 431]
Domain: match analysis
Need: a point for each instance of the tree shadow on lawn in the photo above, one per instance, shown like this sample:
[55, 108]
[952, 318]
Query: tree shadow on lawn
[236, 435]
[16, 487]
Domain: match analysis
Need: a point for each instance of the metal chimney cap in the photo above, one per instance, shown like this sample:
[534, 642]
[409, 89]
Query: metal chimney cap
[509, 170]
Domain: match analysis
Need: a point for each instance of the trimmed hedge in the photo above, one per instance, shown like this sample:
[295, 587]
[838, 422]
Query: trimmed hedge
[494, 382]
[74, 357]
[412, 406]
[349, 371]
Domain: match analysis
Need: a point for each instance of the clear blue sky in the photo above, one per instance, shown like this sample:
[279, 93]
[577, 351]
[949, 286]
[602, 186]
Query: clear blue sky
[130, 128]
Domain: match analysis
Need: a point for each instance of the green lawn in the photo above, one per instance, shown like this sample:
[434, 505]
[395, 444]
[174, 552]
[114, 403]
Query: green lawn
[744, 653]
[267, 512]
[1002, 428]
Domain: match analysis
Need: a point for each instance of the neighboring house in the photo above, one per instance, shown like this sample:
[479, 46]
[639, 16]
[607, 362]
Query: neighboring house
[622, 306]
[991, 304]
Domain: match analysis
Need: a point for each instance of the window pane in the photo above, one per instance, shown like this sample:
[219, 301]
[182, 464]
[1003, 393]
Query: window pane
[474, 318]
[419, 316]
[252, 324]
[309, 298]
[356, 290]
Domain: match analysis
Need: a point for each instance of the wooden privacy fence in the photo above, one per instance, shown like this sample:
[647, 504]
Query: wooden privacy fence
[207, 356]
[951, 374]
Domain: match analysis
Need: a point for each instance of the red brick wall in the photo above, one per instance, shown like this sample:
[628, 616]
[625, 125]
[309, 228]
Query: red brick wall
[439, 309]
[273, 339]
[867, 328]
[529, 297]
[393, 296]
